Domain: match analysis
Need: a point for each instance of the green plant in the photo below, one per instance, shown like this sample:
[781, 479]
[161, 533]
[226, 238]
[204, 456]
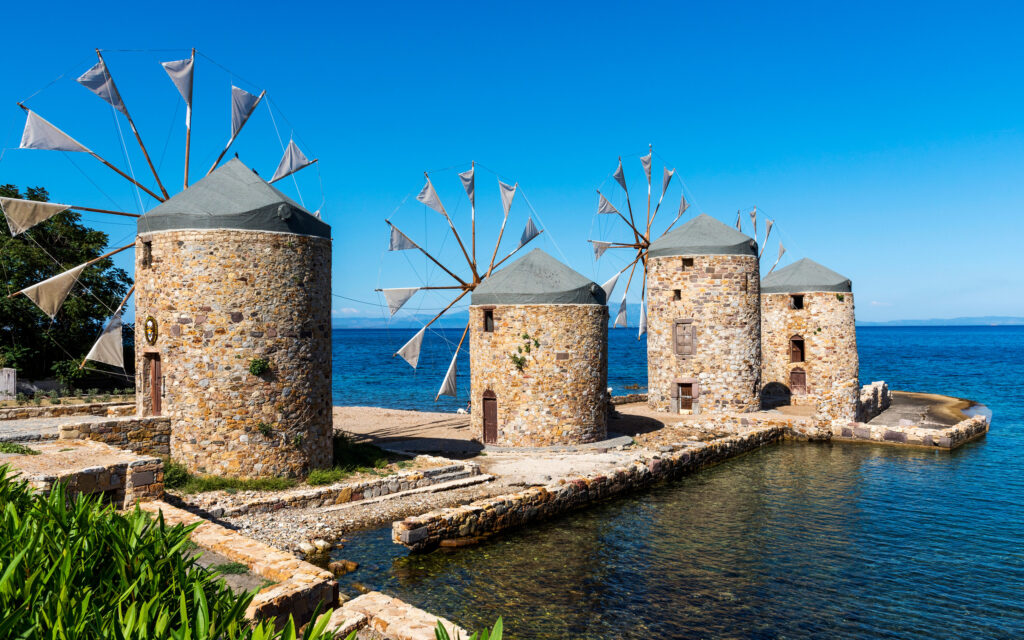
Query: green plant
[67, 372]
[840, 297]
[529, 343]
[518, 361]
[20, 449]
[176, 475]
[77, 393]
[75, 568]
[230, 568]
[93, 392]
[297, 440]
[22, 398]
[106, 398]
[37, 400]
[265, 429]
[258, 366]
[440, 633]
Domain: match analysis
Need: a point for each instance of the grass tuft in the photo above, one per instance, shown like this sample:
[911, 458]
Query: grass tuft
[20, 449]
[178, 477]
[230, 568]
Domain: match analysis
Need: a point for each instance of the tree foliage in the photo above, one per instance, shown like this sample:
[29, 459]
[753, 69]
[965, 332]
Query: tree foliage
[29, 341]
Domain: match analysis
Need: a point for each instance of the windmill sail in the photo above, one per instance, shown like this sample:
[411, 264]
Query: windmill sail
[181, 74]
[108, 349]
[507, 193]
[599, 248]
[448, 387]
[410, 351]
[98, 80]
[25, 214]
[620, 318]
[782, 250]
[665, 179]
[429, 197]
[529, 233]
[243, 104]
[610, 285]
[643, 320]
[620, 177]
[40, 134]
[292, 161]
[400, 241]
[767, 232]
[603, 206]
[49, 294]
[646, 162]
[469, 184]
[398, 297]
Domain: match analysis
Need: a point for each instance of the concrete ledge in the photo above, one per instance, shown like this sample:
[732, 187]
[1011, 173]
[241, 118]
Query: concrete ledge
[61, 410]
[149, 435]
[490, 515]
[948, 438]
[300, 588]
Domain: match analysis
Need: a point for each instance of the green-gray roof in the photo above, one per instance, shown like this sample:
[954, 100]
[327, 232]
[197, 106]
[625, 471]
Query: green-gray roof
[804, 276]
[233, 197]
[537, 278]
[703, 236]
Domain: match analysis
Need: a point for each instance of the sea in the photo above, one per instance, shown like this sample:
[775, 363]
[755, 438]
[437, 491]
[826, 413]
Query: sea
[792, 541]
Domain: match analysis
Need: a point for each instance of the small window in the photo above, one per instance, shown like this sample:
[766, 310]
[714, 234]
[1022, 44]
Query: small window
[684, 337]
[677, 294]
[798, 381]
[147, 255]
[796, 349]
[687, 264]
[489, 320]
[796, 302]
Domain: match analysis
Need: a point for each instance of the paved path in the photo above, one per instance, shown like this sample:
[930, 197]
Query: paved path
[38, 428]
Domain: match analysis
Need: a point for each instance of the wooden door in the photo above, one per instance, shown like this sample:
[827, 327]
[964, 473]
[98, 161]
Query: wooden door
[155, 377]
[685, 396]
[490, 418]
[798, 381]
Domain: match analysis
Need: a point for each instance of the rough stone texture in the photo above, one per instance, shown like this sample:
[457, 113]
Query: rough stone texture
[149, 436]
[874, 399]
[721, 295]
[948, 438]
[223, 298]
[334, 494]
[62, 410]
[391, 617]
[540, 503]
[826, 324]
[561, 395]
[300, 588]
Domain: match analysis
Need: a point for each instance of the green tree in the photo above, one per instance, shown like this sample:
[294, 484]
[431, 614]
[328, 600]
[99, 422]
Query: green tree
[29, 341]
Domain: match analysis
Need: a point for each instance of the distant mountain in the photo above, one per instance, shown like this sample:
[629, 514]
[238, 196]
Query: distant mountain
[979, 321]
[415, 321]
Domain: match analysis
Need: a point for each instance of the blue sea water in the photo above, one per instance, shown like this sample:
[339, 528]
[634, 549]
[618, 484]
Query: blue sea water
[792, 541]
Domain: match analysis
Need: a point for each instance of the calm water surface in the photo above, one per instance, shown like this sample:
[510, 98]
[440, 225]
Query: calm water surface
[793, 541]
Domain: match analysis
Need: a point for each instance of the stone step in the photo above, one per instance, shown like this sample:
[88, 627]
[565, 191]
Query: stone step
[434, 488]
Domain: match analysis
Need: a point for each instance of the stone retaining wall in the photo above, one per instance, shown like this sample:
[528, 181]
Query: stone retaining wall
[491, 515]
[149, 436]
[301, 587]
[948, 438]
[874, 399]
[629, 398]
[338, 493]
[126, 482]
[61, 410]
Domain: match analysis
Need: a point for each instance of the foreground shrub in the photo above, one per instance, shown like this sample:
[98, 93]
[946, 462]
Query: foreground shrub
[72, 568]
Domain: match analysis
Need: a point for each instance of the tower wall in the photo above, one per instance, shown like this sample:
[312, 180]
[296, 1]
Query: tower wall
[222, 298]
[560, 395]
[826, 324]
[719, 299]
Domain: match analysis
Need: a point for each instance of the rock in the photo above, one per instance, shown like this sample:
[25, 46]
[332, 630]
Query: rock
[307, 548]
[341, 567]
[321, 545]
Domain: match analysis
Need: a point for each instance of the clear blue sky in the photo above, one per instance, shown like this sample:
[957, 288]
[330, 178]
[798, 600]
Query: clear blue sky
[886, 141]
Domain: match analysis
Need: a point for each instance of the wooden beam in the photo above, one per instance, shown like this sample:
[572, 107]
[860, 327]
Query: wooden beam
[115, 213]
[432, 258]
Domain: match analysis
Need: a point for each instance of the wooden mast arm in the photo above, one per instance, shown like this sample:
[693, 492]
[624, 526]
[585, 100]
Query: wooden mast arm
[131, 123]
[453, 286]
[458, 239]
[234, 135]
[457, 349]
[498, 264]
[450, 305]
[496, 245]
[472, 216]
[93, 261]
[115, 213]
[188, 121]
[432, 259]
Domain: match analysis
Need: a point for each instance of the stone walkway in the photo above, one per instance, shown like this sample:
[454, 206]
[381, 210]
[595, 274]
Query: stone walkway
[31, 429]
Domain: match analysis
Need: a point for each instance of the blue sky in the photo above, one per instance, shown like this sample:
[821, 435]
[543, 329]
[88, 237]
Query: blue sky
[885, 141]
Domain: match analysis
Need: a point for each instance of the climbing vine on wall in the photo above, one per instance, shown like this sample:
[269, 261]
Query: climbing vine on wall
[523, 350]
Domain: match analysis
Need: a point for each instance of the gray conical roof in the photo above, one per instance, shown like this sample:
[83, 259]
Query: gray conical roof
[233, 197]
[703, 236]
[802, 276]
[537, 278]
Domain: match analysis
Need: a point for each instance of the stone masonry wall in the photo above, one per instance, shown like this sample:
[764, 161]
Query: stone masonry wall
[560, 396]
[720, 294]
[874, 399]
[826, 323]
[222, 298]
[61, 410]
[149, 436]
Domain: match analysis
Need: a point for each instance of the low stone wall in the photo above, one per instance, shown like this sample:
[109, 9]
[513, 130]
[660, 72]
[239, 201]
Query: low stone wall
[390, 617]
[339, 493]
[146, 435]
[803, 428]
[948, 438]
[629, 398]
[301, 587]
[491, 515]
[61, 410]
[874, 399]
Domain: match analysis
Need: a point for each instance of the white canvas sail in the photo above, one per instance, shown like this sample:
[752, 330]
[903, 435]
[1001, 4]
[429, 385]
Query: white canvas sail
[398, 297]
[400, 241]
[665, 179]
[429, 197]
[646, 162]
[49, 294]
[620, 177]
[739, 218]
[620, 317]
[469, 184]
[98, 80]
[767, 232]
[292, 161]
[243, 104]
[507, 194]
[603, 206]
[448, 387]
[410, 351]
[25, 214]
[599, 248]
[782, 250]
[610, 286]
[753, 218]
[180, 72]
[529, 233]
[108, 349]
[643, 320]
[40, 134]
